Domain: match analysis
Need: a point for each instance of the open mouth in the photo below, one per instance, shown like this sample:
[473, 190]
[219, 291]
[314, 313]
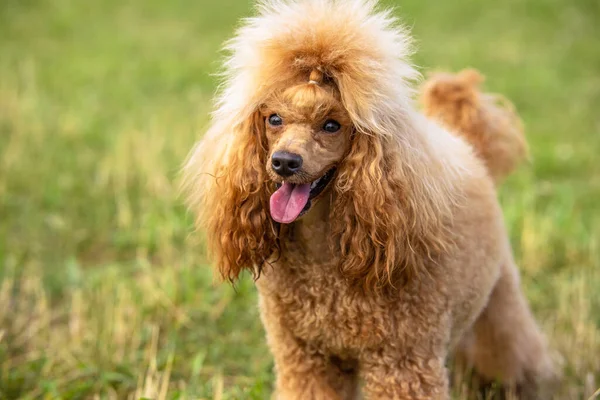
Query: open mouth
[290, 200]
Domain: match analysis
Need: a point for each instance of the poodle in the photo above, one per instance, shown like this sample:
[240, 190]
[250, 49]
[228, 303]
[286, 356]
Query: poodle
[373, 231]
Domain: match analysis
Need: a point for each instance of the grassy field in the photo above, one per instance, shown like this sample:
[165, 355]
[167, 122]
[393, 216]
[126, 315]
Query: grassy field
[104, 290]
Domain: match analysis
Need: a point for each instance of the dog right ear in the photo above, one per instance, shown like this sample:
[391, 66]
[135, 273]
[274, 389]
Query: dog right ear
[227, 187]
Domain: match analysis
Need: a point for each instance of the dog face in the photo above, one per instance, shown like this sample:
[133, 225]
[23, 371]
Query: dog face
[308, 133]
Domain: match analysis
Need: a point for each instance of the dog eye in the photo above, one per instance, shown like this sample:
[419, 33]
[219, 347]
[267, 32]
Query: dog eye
[275, 120]
[331, 126]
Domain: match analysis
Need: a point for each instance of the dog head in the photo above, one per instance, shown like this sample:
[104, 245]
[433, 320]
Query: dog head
[317, 102]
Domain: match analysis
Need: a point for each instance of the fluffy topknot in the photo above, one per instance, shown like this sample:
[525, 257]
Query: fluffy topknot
[363, 50]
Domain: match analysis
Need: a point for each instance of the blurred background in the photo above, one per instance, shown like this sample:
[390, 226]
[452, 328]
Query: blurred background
[105, 292]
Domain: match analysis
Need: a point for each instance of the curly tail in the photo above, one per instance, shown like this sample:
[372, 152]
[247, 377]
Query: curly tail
[488, 122]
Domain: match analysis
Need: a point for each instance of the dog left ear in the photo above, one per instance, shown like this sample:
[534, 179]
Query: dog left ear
[228, 191]
[386, 219]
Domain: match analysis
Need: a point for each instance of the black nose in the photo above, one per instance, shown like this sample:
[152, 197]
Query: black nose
[286, 164]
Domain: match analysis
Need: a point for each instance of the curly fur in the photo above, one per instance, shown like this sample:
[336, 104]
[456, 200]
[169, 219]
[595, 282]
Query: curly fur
[229, 195]
[405, 256]
[487, 121]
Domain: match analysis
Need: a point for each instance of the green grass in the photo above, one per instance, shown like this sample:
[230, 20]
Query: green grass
[105, 291]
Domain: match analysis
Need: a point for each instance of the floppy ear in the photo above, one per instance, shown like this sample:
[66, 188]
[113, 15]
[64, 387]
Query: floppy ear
[388, 216]
[227, 190]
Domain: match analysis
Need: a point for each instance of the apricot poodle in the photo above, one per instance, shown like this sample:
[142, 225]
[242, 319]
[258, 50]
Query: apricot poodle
[373, 231]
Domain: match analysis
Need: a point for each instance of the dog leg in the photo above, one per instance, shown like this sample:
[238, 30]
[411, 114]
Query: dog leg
[505, 343]
[303, 374]
[413, 377]
[302, 371]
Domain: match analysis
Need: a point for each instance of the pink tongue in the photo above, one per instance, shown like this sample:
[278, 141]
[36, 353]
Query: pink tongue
[288, 201]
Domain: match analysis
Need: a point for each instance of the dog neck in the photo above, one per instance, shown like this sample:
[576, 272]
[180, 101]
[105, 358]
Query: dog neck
[312, 231]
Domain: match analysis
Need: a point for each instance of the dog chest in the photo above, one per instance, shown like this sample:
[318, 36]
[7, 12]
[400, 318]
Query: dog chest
[315, 304]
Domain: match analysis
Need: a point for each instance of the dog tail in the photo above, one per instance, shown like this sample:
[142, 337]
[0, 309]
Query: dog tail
[488, 122]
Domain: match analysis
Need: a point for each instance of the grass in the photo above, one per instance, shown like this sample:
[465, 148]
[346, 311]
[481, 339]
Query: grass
[104, 290]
